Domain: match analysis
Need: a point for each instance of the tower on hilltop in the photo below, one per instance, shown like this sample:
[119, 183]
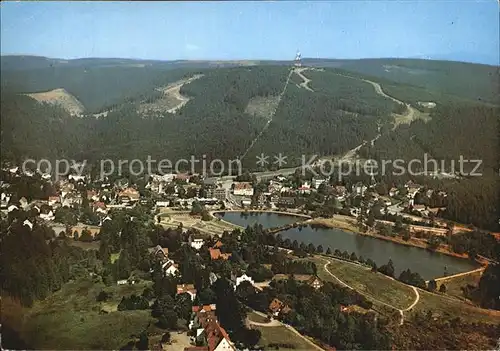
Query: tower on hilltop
[298, 62]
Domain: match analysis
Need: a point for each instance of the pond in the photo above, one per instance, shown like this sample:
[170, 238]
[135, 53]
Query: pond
[427, 263]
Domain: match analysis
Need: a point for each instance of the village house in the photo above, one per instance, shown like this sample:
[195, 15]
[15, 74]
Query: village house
[393, 191]
[305, 188]
[53, 200]
[169, 268]
[13, 170]
[277, 308]
[217, 338]
[128, 195]
[162, 203]
[340, 190]
[316, 182]
[359, 188]
[28, 223]
[208, 331]
[4, 201]
[286, 201]
[238, 279]
[246, 202]
[187, 288]
[182, 177]
[195, 241]
[286, 189]
[211, 182]
[46, 176]
[202, 315]
[160, 253]
[12, 208]
[243, 189]
[216, 254]
[274, 186]
[23, 202]
[77, 178]
[100, 207]
[412, 189]
[220, 194]
[46, 214]
[71, 199]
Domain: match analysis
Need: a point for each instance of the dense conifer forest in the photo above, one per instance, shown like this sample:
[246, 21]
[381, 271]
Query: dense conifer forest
[338, 115]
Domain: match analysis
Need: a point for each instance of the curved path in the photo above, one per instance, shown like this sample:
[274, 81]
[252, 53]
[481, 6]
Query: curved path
[306, 80]
[401, 311]
[175, 91]
[277, 323]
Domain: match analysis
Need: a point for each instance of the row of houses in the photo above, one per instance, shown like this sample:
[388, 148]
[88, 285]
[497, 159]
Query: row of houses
[208, 334]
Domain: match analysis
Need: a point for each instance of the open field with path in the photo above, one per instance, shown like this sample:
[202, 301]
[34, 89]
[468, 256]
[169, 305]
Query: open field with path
[454, 285]
[365, 281]
[392, 292]
[71, 318]
[449, 307]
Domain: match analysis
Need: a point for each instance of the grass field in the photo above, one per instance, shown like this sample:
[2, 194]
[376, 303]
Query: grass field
[450, 308]
[70, 319]
[367, 282]
[281, 335]
[401, 296]
[254, 317]
[454, 285]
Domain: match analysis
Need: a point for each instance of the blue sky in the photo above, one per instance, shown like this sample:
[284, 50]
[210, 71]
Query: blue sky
[454, 29]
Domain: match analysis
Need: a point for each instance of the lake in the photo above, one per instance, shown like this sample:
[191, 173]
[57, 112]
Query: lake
[427, 263]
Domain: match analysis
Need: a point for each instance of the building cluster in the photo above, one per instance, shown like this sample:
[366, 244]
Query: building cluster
[207, 333]
[184, 189]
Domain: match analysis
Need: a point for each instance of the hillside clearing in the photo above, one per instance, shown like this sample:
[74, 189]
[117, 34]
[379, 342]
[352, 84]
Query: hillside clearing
[71, 318]
[172, 100]
[448, 307]
[61, 98]
[262, 106]
[454, 286]
[366, 282]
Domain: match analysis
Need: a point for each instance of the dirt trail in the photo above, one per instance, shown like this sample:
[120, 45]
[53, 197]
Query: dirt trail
[442, 279]
[306, 80]
[410, 113]
[174, 91]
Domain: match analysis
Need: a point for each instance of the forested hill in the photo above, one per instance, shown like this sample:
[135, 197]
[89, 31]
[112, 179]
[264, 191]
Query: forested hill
[230, 109]
[101, 82]
[467, 80]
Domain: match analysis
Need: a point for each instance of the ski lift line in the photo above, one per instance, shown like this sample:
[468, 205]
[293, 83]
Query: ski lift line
[272, 115]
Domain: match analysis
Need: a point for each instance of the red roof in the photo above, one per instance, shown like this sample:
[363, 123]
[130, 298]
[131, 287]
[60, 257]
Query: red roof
[204, 308]
[242, 185]
[100, 204]
[216, 254]
[182, 176]
[183, 288]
